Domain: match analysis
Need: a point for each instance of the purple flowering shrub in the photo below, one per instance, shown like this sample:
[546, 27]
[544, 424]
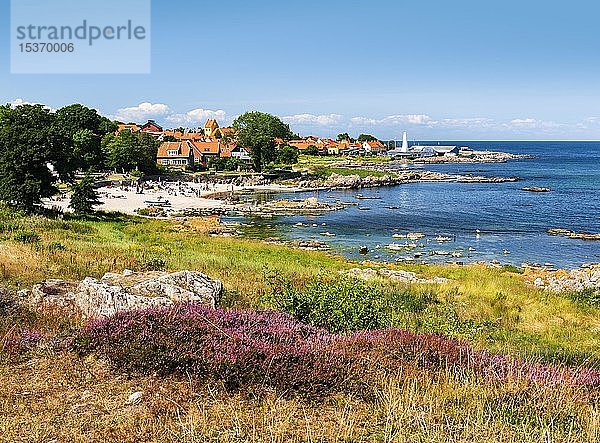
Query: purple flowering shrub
[263, 349]
[20, 344]
[269, 349]
[393, 348]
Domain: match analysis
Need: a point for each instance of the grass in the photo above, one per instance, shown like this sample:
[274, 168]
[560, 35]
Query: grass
[52, 394]
[325, 171]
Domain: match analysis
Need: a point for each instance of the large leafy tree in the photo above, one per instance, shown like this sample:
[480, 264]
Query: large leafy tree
[128, 151]
[257, 132]
[366, 138]
[85, 128]
[31, 148]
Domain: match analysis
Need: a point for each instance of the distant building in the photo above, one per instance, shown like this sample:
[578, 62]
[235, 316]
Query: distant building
[211, 128]
[205, 150]
[374, 147]
[436, 150]
[152, 127]
[241, 153]
[178, 155]
[131, 127]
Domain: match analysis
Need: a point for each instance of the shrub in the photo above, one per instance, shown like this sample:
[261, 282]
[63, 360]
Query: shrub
[250, 349]
[27, 237]
[344, 304]
[56, 246]
[587, 297]
[153, 264]
[257, 350]
[347, 304]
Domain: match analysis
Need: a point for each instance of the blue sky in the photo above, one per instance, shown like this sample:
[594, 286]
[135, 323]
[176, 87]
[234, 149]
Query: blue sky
[496, 70]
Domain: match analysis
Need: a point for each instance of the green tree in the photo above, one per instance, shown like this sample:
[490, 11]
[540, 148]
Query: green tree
[366, 138]
[33, 155]
[257, 131]
[84, 196]
[128, 151]
[71, 121]
[87, 149]
[287, 155]
[343, 136]
[311, 150]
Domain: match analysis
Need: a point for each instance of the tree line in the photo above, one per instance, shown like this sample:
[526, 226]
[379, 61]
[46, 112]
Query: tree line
[39, 147]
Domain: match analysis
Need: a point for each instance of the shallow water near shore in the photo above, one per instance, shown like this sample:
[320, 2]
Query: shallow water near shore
[512, 223]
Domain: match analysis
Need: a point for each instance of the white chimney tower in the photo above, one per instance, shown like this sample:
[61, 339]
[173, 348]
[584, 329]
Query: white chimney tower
[404, 148]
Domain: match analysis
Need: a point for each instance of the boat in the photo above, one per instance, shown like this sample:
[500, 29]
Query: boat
[328, 234]
[441, 239]
[415, 235]
[158, 202]
[535, 189]
[398, 235]
[395, 247]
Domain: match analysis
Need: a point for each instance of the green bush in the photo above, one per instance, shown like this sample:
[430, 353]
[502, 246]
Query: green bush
[56, 246]
[153, 264]
[344, 304]
[587, 297]
[27, 237]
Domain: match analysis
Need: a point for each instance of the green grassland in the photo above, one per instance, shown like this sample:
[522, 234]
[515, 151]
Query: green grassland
[62, 397]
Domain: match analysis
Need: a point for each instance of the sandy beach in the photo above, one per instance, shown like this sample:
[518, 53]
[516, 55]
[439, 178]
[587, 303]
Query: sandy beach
[180, 195]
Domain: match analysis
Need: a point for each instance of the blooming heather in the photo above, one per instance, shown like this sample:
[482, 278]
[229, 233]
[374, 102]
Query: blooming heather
[268, 349]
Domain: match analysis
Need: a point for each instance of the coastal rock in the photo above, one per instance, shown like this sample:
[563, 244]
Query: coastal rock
[576, 280]
[574, 235]
[393, 274]
[92, 298]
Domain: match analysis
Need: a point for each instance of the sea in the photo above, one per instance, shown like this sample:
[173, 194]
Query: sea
[492, 222]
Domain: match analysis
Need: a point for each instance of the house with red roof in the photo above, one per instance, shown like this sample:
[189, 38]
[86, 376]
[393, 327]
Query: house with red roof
[178, 155]
[204, 150]
[152, 127]
[131, 127]
[374, 147]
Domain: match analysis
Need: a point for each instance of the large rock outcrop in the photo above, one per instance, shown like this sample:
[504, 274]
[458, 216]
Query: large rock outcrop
[92, 298]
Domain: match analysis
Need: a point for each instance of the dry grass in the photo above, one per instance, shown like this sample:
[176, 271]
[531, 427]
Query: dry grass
[65, 399]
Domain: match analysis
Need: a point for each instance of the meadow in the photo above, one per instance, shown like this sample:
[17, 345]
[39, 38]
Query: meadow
[482, 357]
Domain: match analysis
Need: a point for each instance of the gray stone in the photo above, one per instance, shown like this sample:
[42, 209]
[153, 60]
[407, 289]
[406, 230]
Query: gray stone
[92, 298]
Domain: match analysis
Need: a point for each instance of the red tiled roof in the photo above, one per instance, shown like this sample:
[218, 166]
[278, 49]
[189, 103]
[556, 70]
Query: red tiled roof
[183, 149]
[204, 148]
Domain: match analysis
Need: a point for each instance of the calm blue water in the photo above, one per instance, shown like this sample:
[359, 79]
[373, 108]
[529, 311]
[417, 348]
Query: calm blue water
[512, 222]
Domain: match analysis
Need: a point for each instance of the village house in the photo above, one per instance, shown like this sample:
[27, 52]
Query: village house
[203, 151]
[178, 155]
[374, 147]
[151, 127]
[131, 127]
[240, 153]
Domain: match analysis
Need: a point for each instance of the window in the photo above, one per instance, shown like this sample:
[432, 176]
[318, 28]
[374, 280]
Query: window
[172, 153]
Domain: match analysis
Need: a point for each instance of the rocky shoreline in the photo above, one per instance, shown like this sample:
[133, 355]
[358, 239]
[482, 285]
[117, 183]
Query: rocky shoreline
[336, 181]
[586, 278]
[475, 157]
[574, 235]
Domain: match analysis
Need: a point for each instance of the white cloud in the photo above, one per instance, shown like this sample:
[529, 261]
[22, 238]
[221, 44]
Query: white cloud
[304, 119]
[524, 122]
[21, 102]
[142, 112]
[196, 116]
[475, 122]
[393, 120]
[532, 123]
